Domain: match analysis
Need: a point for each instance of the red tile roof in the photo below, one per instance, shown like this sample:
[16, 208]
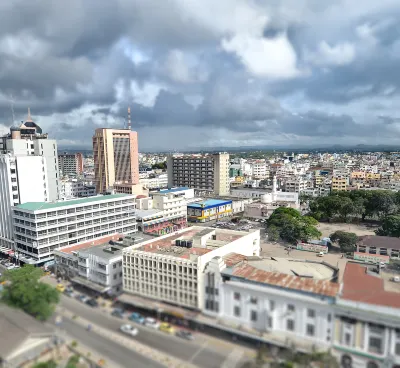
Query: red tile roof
[359, 286]
[232, 259]
[321, 287]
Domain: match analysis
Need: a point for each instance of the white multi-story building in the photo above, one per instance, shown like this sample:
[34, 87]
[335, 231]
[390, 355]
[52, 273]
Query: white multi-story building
[74, 188]
[206, 173]
[172, 202]
[96, 264]
[42, 227]
[295, 184]
[28, 140]
[282, 301]
[22, 179]
[160, 181]
[259, 169]
[367, 323]
[170, 268]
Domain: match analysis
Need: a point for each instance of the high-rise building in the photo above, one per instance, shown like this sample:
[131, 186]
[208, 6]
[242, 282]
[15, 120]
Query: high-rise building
[29, 140]
[116, 158]
[70, 163]
[207, 173]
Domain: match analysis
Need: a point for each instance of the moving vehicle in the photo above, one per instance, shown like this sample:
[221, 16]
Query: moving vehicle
[152, 323]
[137, 317]
[166, 327]
[129, 330]
[60, 288]
[92, 302]
[118, 312]
[185, 335]
[320, 254]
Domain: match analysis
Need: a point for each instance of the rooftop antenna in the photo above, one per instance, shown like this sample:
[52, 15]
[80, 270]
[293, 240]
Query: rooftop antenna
[129, 119]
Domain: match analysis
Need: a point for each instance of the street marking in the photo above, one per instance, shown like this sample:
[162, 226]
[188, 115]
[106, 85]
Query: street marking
[201, 348]
[233, 359]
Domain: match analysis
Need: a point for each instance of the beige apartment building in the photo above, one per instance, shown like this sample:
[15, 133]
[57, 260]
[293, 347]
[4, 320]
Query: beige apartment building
[207, 173]
[340, 183]
[116, 158]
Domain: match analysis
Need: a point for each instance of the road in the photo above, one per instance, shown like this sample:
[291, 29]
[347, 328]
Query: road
[201, 354]
[108, 349]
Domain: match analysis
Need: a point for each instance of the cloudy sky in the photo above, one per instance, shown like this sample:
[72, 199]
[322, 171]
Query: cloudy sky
[204, 73]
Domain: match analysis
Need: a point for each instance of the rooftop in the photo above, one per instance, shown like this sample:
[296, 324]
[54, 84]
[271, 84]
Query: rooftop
[306, 276]
[173, 190]
[203, 240]
[379, 241]
[148, 213]
[37, 206]
[209, 203]
[361, 286]
[89, 244]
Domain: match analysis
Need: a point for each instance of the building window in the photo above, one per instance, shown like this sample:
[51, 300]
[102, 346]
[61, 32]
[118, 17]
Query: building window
[253, 300]
[290, 308]
[114, 265]
[290, 325]
[236, 296]
[236, 311]
[310, 330]
[270, 322]
[372, 365]
[397, 343]
[310, 313]
[253, 316]
[375, 341]
[271, 305]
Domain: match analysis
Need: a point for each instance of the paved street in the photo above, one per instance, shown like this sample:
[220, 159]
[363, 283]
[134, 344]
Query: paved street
[199, 353]
[110, 350]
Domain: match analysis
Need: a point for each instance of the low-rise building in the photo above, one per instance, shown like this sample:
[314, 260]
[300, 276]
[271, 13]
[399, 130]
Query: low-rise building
[42, 227]
[170, 268]
[96, 265]
[382, 245]
[76, 188]
[340, 183]
[282, 301]
[210, 209]
[367, 323]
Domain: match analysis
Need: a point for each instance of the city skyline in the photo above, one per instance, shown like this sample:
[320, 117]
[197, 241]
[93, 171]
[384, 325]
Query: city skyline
[236, 73]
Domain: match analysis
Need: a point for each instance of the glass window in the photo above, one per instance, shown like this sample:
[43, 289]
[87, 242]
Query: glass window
[310, 313]
[236, 296]
[253, 300]
[271, 305]
[375, 341]
[310, 330]
[290, 308]
[290, 325]
[236, 311]
[270, 322]
[253, 316]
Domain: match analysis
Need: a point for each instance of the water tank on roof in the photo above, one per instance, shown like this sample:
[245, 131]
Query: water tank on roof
[183, 243]
[178, 243]
[189, 244]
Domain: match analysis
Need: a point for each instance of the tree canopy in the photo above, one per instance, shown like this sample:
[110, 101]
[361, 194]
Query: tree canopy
[26, 292]
[160, 165]
[289, 225]
[346, 241]
[390, 226]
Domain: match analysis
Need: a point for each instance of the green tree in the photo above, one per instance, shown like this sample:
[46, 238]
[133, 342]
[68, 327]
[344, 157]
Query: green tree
[347, 241]
[48, 364]
[25, 291]
[390, 226]
[160, 166]
[273, 233]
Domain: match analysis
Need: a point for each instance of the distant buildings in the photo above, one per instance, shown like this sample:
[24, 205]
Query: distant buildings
[76, 188]
[207, 174]
[116, 158]
[42, 227]
[208, 210]
[70, 164]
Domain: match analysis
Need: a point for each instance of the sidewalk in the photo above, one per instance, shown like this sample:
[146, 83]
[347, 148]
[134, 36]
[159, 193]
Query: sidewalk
[134, 345]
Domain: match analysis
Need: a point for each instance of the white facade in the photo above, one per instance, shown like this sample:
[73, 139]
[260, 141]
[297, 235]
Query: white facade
[173, 273]
[73, 188]
[173, 205]
[160, 181]
[22, 179]
[40, 228]
[259, 169]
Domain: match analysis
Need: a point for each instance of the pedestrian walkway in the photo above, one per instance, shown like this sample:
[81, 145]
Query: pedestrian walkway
[233, 358]
[157, 356]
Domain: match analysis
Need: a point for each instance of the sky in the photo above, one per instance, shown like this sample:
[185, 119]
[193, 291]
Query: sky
[204, 73]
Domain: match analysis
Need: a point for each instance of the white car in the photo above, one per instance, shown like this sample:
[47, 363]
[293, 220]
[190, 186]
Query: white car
[152, 323]
[129, 330]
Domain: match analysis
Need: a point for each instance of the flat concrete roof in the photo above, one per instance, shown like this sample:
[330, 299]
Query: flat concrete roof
[209, 203]
[173, 190]
[36, 206]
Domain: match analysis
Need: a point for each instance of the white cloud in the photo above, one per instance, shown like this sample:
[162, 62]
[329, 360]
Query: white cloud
[327, 55]
[177, 68]
[264, 57]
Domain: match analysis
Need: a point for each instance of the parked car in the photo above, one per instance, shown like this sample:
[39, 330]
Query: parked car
[118, 312]
[395, 279]
[185, 335]
[137, 317]
[152, 323]
[166, 327]
[92, 302]
[82, 298]
[320, 254]
[60, 288]
[69, 291]
[129, 330]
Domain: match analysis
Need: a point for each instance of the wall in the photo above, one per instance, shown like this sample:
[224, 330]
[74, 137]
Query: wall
[6, 201]
[31, 184]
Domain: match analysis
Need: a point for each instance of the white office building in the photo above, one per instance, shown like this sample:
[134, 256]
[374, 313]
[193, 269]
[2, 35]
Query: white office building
[76, 188]
[170, 268]
[42, 227]
[281, 301]
[22, 179]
